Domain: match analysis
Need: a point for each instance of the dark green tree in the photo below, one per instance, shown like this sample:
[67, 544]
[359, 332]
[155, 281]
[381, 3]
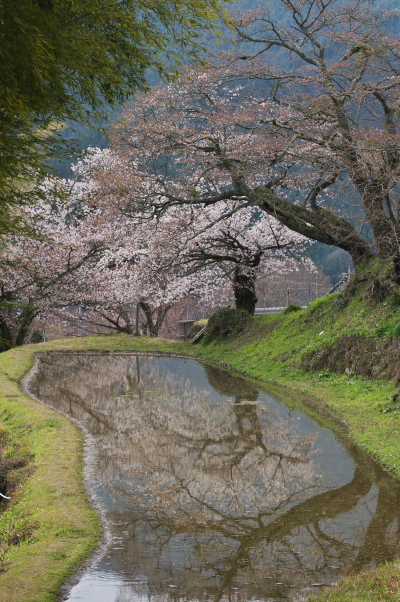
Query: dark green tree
[70, 60]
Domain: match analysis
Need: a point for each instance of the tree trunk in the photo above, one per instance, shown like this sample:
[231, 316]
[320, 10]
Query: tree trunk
[149, 325]
[153, 326]
[6, 341]
[28, 314]
[244, 290]
[318, 224]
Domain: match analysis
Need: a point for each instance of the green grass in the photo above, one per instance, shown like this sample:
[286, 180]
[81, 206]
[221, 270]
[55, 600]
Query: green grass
[59, 526]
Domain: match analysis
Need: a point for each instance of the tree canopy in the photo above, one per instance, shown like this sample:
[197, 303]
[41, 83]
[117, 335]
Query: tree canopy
[59, 58]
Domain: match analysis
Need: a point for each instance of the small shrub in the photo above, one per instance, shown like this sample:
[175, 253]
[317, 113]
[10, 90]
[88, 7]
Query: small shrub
[324, 374]
[291, 308]
[394, 407]
[37, 337]
[226, 323]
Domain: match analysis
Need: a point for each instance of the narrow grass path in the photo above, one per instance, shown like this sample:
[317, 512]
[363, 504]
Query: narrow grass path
[50, 527]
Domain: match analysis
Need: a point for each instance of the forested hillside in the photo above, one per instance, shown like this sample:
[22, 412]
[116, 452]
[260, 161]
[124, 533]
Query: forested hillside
[86, 136]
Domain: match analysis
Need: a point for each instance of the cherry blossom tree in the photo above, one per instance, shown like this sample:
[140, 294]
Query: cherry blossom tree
[83, 262]
[140, 263]
[222, 243]
[39, 270]
[92, 261]
[307, 116]
[241, 244]
[82, 269]
[137, 267]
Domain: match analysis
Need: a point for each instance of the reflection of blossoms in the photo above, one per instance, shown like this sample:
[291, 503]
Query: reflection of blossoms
[218, 486]
[190, 447]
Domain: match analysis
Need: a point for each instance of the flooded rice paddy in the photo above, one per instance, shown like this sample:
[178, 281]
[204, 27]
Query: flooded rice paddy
[213, 490]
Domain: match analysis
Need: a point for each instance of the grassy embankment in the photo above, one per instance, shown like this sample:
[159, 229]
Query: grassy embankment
[49, 527]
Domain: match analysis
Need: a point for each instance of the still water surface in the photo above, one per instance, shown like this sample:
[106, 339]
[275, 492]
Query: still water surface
[213, 489]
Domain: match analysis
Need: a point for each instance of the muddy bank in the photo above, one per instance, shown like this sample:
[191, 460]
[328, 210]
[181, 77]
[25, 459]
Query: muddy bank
[358, 354]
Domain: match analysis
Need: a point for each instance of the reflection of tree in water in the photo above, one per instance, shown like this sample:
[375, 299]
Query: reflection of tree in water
[219, 494]
[247, 435]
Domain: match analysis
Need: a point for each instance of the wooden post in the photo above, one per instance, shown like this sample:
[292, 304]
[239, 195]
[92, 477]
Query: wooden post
[137, 318]
[288, 291]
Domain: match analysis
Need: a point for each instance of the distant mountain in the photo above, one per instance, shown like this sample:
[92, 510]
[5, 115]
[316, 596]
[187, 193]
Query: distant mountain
[85, 136]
